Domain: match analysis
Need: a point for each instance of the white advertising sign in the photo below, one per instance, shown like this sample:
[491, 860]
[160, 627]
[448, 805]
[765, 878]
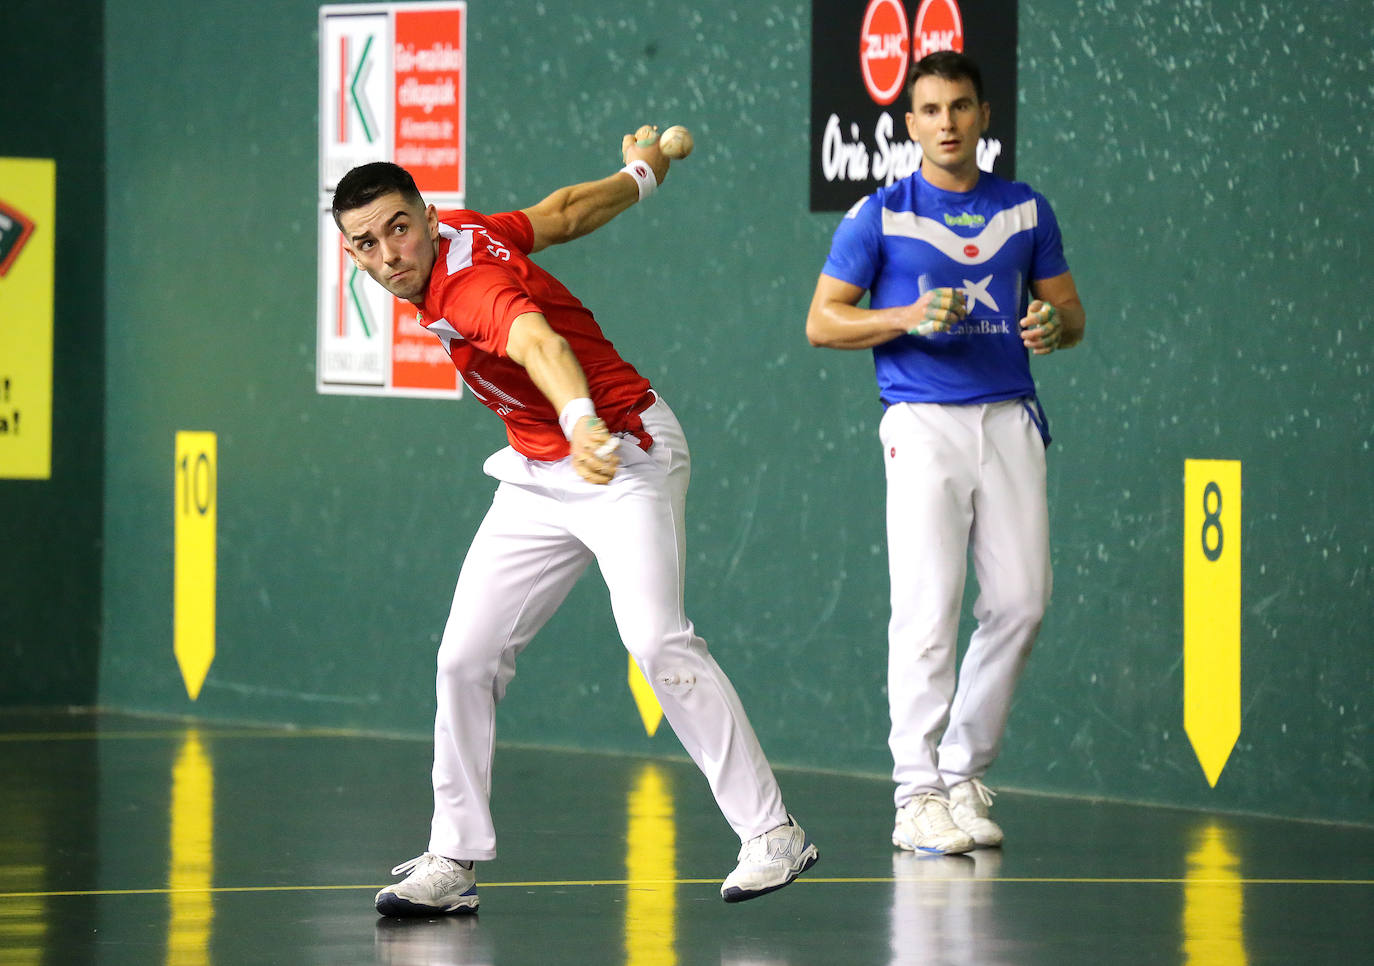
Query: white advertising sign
[393, 81]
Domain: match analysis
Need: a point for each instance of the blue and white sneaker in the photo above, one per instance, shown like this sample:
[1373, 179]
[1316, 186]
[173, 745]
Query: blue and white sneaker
[769, 861]
[924, 824]
[435, 886]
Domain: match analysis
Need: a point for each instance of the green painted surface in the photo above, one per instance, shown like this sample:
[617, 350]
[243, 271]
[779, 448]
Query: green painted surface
[1208, 165]
[51, 106]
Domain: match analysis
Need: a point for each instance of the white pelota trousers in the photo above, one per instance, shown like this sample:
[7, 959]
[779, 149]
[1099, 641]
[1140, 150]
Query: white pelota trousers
[960, 479]
[544, 527]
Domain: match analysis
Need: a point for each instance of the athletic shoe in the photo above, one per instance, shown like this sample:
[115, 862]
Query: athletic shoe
[924, 825]
[769, 861]
[968, 806]
[435, 886]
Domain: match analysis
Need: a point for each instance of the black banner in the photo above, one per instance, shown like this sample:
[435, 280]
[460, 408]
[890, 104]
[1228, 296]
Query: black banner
[861, 53]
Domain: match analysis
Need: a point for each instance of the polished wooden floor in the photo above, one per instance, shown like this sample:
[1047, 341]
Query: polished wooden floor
[126, 840]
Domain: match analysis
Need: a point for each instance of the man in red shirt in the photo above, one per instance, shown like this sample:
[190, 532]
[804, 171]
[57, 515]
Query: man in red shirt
[597, 467]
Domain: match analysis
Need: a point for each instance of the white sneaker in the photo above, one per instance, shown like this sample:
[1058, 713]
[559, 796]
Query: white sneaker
[435, 886]
[968, 805]
[924, 825]
[769, 861]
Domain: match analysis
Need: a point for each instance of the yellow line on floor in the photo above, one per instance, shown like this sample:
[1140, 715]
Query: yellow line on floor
[658, 883]
[181, 733]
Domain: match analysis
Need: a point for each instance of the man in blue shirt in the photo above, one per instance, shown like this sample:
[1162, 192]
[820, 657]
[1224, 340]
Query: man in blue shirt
[967, 278]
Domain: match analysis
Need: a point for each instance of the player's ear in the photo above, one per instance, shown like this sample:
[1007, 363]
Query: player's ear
[432, 219]
[986, 108]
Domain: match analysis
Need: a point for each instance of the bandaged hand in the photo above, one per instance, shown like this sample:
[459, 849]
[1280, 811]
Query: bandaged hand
[937, 311]
[593, 450]
[1041, 329]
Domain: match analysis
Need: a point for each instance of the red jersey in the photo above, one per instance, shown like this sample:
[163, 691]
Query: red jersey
[483, 279]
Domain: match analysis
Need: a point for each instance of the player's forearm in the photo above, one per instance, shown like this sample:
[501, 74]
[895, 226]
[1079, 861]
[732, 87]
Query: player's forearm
[554, 369]
[837, 325]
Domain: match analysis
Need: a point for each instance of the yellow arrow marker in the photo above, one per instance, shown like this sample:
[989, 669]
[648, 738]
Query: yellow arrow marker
[193, 598]
[1211, 610]
[645, 700]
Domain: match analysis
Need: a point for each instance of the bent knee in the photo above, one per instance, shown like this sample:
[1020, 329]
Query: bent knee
[462, 664]
[1021, 613]
[672, 663]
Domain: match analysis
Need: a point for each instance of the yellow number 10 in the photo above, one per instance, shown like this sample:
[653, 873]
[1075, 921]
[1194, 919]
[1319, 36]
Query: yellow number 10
[193, 592]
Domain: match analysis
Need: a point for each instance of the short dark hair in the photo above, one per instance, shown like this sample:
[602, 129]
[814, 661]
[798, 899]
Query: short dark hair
[368, 182]
[949, 64]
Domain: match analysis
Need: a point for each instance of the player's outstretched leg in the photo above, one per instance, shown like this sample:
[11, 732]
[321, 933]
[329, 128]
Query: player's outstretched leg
[770, 861]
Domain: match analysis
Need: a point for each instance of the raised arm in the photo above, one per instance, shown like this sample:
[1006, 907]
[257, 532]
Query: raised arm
[578, 209]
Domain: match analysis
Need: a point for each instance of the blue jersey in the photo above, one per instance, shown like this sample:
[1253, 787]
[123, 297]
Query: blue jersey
[910, 237]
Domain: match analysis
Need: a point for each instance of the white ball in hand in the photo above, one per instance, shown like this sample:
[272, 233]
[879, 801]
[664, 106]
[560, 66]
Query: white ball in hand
[676, 142]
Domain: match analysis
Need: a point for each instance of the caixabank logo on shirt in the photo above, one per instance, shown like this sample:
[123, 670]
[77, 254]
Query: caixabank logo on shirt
[15, 229]
[861, 54]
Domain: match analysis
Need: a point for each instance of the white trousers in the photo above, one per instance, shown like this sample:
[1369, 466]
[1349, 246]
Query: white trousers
[544, 526]
[960, 478]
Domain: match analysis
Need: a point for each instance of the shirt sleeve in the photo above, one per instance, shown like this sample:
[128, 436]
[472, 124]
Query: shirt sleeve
[1048, 257]
[855, 252]
[515, 228]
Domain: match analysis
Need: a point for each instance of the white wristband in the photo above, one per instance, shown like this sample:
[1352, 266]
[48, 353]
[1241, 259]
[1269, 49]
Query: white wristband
[572, 412]
[644, 177]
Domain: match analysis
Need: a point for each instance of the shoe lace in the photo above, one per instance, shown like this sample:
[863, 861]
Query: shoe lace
[426, 860]
[405, 867]
[930, 811]
[984, 793]
[914, 805]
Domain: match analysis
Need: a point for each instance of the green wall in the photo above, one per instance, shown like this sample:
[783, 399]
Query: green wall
[1209, 164]
[52, 106]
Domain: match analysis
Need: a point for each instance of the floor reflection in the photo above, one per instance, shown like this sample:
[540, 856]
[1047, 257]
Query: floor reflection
[1213, 900]
[650, 869]
[941, 912]
[191, 866]
[448, 941]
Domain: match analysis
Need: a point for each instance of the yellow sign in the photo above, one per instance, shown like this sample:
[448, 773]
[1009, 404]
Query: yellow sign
[649, 710]
[1211, 610]
[28, 227]
[193, 599]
